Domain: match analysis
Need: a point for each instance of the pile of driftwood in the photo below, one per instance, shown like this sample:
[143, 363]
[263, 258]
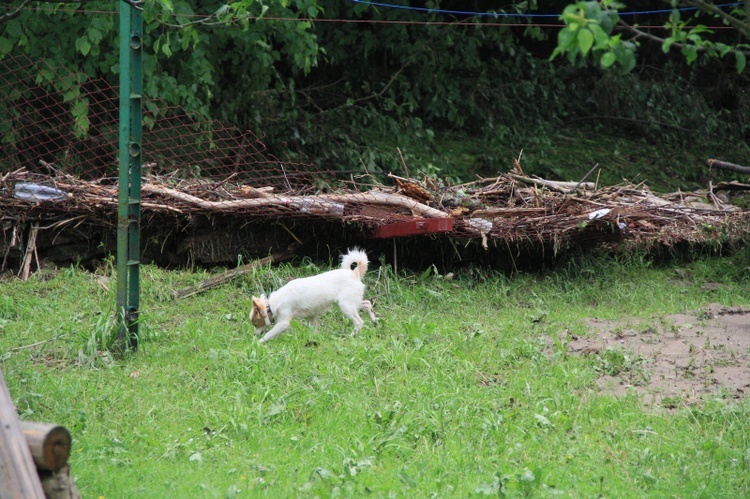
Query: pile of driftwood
[513, 207]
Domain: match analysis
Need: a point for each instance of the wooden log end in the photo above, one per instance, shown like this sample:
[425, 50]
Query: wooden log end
[50, 444]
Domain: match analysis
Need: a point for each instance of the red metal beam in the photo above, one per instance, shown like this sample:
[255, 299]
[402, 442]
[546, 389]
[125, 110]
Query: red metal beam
[414, 228]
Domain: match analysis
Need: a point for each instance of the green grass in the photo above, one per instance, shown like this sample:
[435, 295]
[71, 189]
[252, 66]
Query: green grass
[461, 391]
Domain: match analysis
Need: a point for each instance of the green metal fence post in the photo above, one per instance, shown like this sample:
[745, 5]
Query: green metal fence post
[129, 190]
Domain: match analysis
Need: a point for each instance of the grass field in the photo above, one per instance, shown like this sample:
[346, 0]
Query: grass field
[465, 389]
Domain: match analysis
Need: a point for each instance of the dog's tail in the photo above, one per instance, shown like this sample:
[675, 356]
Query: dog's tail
[358, 256]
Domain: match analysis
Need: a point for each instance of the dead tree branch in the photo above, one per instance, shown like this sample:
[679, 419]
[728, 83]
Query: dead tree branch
[723, 165]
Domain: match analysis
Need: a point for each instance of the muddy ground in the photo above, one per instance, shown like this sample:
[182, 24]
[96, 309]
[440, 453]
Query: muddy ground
[672, 360]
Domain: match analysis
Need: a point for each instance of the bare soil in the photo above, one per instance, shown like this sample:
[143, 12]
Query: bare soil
[672, 360]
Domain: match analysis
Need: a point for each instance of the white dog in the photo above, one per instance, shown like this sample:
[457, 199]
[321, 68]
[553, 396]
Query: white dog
[310, 297]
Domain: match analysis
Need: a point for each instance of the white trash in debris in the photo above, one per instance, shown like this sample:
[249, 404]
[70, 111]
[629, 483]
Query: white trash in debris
[318, 207]
[37, 192]
[480, 224]
[598, 213]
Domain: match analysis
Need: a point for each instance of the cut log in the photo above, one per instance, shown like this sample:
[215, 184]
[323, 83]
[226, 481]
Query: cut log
[49, 444]
[59, 484]
[18, 475]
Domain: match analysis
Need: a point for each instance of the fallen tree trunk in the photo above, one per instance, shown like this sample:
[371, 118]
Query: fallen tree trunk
[723, 165]
[318, 205]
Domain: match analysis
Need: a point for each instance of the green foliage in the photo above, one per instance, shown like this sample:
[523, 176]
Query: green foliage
[343, 84]
[192, 50]
[588, 31]
[387, 85]
[693, 39]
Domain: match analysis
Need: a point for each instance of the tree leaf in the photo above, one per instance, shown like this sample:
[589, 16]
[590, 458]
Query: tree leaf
[600, 36]
[628, 61]
[741, 61]
[608, 59]
[565, 39]
[667, 44]
[5, 46]
[585, 40]
[14, 29]
[690, 52]
[94, 35]
[83, 45]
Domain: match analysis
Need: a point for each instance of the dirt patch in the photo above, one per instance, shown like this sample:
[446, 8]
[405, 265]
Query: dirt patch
[674, 359]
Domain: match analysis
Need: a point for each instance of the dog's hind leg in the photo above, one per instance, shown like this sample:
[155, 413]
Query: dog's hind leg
[280, 327]
[352, 311]
[368, 306]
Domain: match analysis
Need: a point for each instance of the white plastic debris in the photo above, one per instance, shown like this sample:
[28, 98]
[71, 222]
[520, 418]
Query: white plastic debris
[480, 224]
[598, 213]
[37, 192]
[319, 207]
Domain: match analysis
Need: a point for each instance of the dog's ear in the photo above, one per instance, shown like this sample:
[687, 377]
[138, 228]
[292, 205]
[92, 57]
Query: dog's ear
[259, 316]
[259, 305]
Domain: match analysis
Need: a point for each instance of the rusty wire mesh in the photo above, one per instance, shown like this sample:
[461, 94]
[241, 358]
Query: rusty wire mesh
[189, 165]
[63, 137]
[43, 133]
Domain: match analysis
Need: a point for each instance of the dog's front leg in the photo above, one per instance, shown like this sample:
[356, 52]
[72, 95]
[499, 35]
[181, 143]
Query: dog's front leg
[315, 322]
[280, 327]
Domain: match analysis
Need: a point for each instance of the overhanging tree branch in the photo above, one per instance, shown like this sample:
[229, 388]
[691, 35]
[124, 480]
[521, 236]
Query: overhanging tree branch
[8, 16]
[742, 26]
[136, 4]
[14, 13]
[644, 34]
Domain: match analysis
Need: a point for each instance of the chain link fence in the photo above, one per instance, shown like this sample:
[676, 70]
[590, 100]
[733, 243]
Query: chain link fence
[56, 121]
[58, 167]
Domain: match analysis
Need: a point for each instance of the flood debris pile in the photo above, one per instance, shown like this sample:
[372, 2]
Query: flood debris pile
[511, 207]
